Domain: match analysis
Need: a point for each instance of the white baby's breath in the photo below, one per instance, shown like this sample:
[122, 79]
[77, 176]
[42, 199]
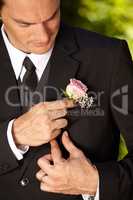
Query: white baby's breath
[85, 101]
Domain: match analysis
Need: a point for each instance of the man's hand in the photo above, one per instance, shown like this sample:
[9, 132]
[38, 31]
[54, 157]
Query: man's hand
[42, 123]
[74, 176]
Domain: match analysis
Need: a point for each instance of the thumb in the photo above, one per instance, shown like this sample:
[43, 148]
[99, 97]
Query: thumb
[69, 146]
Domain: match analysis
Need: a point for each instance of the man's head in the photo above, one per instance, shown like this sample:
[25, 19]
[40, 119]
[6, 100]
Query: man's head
[31, 25]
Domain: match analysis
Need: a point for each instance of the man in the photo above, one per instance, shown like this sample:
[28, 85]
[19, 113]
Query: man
[38, 159]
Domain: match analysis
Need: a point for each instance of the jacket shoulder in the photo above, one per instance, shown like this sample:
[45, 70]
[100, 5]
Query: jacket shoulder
[86, 38]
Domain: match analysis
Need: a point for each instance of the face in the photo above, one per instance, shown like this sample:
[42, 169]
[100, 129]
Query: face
[31, 25]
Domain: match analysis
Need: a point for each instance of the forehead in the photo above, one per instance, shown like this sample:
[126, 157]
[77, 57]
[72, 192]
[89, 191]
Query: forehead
[33, 10]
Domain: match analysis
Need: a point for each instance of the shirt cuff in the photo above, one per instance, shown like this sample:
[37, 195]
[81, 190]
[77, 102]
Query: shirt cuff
[87, 197]
[18, 152]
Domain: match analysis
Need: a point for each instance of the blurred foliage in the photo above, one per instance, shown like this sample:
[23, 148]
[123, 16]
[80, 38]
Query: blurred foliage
[109, 17]
[122, 149]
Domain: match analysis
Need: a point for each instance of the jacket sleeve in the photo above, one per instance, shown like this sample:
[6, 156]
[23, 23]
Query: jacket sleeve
[116, 177]
[8, 161]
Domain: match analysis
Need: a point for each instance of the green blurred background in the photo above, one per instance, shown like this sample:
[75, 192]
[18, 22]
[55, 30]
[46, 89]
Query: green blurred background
[110, 17]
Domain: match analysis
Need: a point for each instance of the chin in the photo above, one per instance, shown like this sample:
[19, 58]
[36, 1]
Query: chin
[40, 50]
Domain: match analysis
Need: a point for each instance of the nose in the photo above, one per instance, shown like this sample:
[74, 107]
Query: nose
[42, 33]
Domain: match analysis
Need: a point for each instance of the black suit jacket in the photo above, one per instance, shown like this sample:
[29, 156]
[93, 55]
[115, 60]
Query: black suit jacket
[105, 66]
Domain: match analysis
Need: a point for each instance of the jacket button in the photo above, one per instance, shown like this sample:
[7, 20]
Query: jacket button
[24, 182]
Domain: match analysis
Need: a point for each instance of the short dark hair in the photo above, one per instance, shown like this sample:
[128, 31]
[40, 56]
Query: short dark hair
[1, 3]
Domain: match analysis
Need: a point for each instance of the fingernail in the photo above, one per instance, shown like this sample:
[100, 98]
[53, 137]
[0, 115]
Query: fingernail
[66, 133]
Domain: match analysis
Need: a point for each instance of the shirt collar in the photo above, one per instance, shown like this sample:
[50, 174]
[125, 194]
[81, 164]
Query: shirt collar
[17, 56]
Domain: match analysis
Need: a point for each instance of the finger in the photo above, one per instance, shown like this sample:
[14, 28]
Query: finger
[69, 146]
[45, 165]
[53, 182]
[55, 133]
[59, 123]
[49, 181]
[45, 187]
[40, 175]
[55, 152]
[48, 188]
[59, 104]
[48, 157]
[57, 114]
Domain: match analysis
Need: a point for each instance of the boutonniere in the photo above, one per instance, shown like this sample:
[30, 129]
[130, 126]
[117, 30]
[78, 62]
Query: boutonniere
[77, 91]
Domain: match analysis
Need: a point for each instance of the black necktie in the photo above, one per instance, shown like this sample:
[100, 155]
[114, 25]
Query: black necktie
[30, 76]
[28, 84]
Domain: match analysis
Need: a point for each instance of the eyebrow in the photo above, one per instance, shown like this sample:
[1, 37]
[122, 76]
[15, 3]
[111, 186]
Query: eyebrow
[30, 23]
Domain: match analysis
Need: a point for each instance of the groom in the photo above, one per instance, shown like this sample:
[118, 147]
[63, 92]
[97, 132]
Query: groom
[54, 149]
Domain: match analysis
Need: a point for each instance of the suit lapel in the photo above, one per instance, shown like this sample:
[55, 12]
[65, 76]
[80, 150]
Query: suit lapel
[63, 65]
[7, 81]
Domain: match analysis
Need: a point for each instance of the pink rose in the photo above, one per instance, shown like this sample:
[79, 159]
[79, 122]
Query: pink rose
[76, 89]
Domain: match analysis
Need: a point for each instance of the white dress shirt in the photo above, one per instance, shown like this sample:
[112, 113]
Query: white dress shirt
[40, 61]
